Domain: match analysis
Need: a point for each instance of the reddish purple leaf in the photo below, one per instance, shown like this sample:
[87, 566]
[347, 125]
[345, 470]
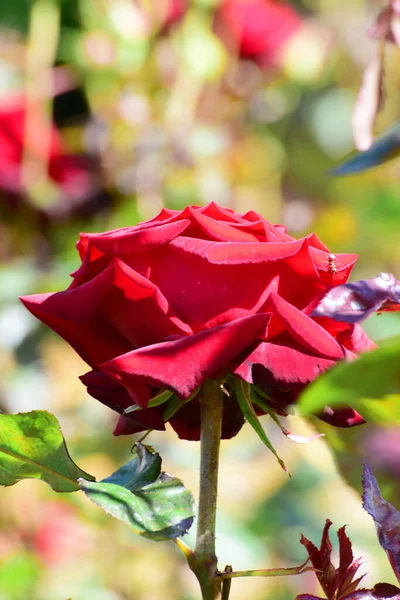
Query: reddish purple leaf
[386, 517]
[354, 302]
[348, 566]
[308, 597]
[336, 583]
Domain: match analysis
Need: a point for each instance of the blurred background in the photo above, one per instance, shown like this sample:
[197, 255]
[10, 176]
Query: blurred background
[109, 110]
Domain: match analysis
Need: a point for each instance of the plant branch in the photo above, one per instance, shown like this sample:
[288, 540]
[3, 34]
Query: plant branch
[226, 575]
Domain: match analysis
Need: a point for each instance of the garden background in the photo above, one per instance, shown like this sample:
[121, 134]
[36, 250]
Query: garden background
[110, 109]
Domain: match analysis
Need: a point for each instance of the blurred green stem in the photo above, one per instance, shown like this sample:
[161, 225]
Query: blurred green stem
[204, 560]
[41, 53]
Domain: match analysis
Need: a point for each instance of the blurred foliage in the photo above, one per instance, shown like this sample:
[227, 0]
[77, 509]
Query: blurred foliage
[110, 109]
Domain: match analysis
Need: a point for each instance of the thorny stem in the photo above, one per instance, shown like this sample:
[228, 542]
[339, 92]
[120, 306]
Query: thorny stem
[204, 560]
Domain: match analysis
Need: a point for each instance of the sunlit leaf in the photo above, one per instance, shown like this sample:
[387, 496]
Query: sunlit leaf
[358, 383]
[151, 502]
[32, 447]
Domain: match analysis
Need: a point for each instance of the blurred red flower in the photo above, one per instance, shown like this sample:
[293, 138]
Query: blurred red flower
[259, 28]
[254, 29]
[71, 173]
[175, 9]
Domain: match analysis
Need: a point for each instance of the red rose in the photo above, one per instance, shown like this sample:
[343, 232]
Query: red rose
[197, 294]
[259, 28]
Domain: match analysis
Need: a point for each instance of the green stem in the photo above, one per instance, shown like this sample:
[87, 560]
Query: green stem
[204, 564]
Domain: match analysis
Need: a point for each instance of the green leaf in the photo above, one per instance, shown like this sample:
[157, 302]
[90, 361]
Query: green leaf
[243, 395]
[375, 376]
[153, 503]
[32, 447]
[172, 407]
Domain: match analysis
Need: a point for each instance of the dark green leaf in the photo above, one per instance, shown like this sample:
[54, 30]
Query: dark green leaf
[139, 472]
[153, 503]
[32, 447]
[382, 150]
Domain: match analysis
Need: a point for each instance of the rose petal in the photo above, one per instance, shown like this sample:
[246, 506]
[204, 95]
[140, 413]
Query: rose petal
[236, 286]
[283, 365]
[236, 253]
[97, 250]
[356, 340]
[94, 340]
[310, 335]
[115, 396]
[334, 269]
[182, 365]
[112, 393]
[217, 230]
[97, 319]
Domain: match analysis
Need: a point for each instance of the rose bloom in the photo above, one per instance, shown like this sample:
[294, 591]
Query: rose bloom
[197, 294]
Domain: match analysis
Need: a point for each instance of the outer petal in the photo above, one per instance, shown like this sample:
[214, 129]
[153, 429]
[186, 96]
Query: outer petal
[310, 335]
[97, 250]
[356, 340]
[182, 365]
[93, 339]
[108, 315]
[284, 364]
[115, 396]
[334, 269]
